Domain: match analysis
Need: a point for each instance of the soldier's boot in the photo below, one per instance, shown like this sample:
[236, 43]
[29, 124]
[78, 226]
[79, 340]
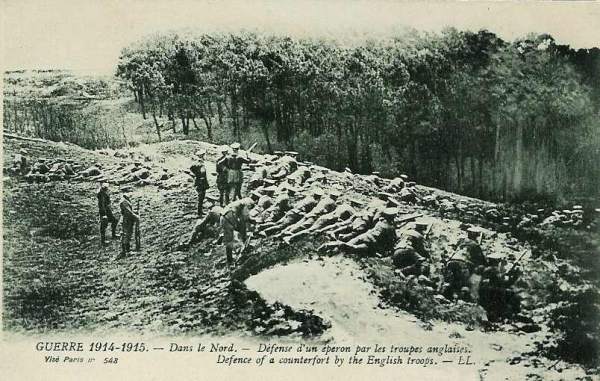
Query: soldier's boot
[102, 236]
[113, 229]
[229, 253]
[238, 191]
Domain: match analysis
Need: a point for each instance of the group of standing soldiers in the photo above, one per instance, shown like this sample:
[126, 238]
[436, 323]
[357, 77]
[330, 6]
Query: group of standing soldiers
[229, 175]
[229, 184]
[130, 220]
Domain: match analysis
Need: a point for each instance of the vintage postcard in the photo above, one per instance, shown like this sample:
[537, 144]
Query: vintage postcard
[296, 190]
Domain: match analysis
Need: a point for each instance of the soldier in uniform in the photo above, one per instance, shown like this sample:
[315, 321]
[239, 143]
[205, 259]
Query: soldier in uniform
[263, 202]
[410, 255]
[380, 239]
[284, 166]
[235, 217]
[281, 205]
[325, 205]
[471, 247]
[362, 221]
[106, 214]
[235, 175]
[222, 177]
[496, 295]
[258, 178]
[304, 206]
[340, 213]
[129, 219]
[206, 227]
[200, 179]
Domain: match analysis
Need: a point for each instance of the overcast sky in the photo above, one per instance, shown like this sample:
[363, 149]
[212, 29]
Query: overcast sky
[88, 35]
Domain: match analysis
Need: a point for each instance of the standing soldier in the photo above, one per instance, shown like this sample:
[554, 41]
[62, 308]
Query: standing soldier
[222, 177]
[106, 214]
[201, 180]
[129, 221]
[234, 171]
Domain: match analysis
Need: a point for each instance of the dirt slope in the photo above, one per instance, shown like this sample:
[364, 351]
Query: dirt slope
[52, 258]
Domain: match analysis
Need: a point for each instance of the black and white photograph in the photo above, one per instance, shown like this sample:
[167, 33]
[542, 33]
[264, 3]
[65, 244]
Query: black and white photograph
[219, 190]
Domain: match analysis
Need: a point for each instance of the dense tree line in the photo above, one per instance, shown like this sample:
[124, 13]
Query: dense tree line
[463, 111]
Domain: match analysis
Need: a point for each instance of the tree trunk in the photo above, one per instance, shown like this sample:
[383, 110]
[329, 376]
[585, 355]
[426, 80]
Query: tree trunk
[265, 128]
[142, 103]
[157, 125]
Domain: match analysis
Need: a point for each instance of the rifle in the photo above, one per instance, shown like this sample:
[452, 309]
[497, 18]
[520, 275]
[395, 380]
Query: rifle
[251, 148]
[406, 219]
[138, 239]
[516, 263]
[428, 230]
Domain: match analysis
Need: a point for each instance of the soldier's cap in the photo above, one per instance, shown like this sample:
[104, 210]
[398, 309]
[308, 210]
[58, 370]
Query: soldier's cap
[390, 212]
[317, 192]
[201, 152]
[355, 201]
[412, 234]
[104, 186]
[248, 201]
[421, 226]
[291, 189]
[473, 230]
[495, 256]
[223, 149]
[270, 189]
[235, 146]
[23, 151]
[334, 193]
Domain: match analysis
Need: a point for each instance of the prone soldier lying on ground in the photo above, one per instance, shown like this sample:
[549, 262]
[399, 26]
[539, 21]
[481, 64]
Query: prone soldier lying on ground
[299, 176]
[360, 222]
[281, 205]
[283, 167]
[263, 202]
[326, 204]
[410, 256]
[378, 240]
[340, 213]
[258, 177]
[301, 208]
